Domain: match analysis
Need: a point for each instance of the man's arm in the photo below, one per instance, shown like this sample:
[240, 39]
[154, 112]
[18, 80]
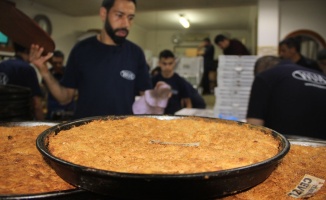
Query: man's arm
[62, 94]
[38, 108]
[186, 103]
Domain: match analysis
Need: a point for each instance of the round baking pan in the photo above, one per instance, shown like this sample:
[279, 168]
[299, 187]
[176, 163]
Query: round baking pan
[60, 195]
[66, 194]
[161, 186]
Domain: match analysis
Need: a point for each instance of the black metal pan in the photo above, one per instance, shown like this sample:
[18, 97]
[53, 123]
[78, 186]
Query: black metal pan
[66, 194]
[157, 186]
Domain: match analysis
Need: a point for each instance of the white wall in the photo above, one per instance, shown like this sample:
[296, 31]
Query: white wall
[302, 14]
[66, 29]
[268, 27]
[294, 15]
[62, 33]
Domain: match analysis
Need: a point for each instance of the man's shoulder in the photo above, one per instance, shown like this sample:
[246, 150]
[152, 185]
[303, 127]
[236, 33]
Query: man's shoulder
[157, 77]
[132, 45]
[287, 69]
[179, 79]
[86, 41]
[16, 63]
[310, 61]
[235, 41]
[283, 67]
[93, 40]
[177, 76]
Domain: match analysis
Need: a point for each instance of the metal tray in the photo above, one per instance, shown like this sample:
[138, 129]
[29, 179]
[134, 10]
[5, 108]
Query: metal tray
[307, 142]
[157, 186]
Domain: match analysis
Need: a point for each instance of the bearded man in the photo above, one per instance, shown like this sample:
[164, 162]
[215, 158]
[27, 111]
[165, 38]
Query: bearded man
[107, 70]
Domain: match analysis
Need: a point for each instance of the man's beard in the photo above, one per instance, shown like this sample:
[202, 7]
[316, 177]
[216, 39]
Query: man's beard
[112, 33]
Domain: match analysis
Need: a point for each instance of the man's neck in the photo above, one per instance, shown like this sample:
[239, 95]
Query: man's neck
[23, 56]
[296, 58]
[167, 75]
[105, 38]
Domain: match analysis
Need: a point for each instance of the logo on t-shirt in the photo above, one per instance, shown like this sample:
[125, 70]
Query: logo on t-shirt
[311, 78]
[175, 92]
[129, 75]
[3, 79]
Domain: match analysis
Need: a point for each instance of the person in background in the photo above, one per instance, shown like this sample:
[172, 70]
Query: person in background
[290, 99]
[197, 101]
[18, 71]
[155, 71]
[289, 49]
[207, 51]
[180, 91]
[56, 111]
[321, 59]
[231, 46]
[107, 70]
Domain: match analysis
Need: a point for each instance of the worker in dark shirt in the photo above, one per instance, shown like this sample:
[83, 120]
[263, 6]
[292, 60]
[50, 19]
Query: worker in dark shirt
[288, 98]
[206, 50]
[289, 49]
[18, 71]
[231, 46]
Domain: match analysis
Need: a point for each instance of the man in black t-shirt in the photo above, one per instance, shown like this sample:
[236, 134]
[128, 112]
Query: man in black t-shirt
[231, 46]
[107, 70]
[290, 50]
[181, 93]
[18, 71]
[206, 49]
[290, 99]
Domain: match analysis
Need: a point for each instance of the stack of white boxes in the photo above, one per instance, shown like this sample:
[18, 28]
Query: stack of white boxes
[235, 77]
[191, 68]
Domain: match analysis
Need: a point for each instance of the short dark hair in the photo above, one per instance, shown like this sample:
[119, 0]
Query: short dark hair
[207, 40]
[20, 48]
[166, 54]
[321, 55]
[58, 53]
[265, 62]
[219, 38]
[109, 3]
[292, 42]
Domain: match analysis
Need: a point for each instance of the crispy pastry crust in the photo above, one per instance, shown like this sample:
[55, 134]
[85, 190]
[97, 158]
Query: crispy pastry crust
[23, 170]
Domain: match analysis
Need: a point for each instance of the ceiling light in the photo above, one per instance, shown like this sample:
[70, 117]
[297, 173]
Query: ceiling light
[184, 22]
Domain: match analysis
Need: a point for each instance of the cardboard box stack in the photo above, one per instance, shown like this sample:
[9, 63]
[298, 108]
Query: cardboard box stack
[235, 76]
[191, 68]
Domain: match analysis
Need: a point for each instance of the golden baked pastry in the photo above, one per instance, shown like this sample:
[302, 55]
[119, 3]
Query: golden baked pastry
[299, 161]
[153, 146]
[23, 170]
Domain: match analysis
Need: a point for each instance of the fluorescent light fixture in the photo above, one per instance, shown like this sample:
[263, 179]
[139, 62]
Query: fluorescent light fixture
[184, 22]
